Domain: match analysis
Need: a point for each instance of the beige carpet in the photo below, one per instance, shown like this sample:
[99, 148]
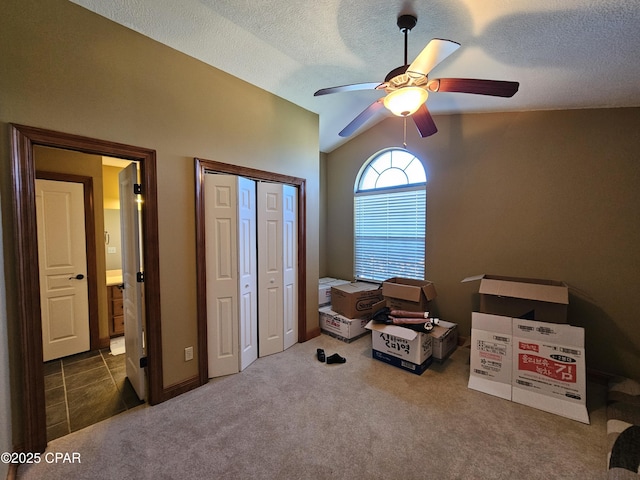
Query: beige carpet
[288, 416]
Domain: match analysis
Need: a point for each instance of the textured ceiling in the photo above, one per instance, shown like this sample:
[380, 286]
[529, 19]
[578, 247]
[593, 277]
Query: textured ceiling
[569, 54]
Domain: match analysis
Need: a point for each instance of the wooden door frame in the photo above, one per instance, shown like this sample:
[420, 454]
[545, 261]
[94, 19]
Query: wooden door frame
[201, 168]
[27, 292]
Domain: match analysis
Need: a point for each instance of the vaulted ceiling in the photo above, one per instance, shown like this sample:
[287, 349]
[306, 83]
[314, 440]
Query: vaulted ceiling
[566, 55]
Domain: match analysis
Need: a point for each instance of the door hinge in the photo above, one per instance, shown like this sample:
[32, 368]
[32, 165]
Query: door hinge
[143, 362]
[140, 277]
[137, 188]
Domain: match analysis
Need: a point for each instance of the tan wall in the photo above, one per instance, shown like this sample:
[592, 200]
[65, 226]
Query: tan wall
[67, 69]
[541, 194]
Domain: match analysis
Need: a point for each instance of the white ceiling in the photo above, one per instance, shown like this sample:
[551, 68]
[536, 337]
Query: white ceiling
[569, 54]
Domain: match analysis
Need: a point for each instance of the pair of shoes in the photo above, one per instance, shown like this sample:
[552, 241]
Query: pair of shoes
[335, 358]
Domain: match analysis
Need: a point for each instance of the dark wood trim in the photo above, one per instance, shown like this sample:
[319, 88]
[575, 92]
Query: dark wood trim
[90, 235]
[182, 387]
[27, 293]
[203, 166]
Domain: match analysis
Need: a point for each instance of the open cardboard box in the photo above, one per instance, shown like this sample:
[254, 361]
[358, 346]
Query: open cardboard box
[528, 298]
[401, 347]
[523, 350]
[408, 294]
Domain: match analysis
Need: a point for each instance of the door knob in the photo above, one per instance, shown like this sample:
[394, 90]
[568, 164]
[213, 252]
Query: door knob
[77, 277]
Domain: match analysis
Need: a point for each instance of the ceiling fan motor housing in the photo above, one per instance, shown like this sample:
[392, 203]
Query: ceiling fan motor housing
[407, 22]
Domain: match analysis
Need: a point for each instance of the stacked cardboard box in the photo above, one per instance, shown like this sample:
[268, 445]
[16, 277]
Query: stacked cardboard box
[403, 347]
[408, 294]
[341, 327]
[324, 289]
[523, 350]
[350, 309]
[355, 300]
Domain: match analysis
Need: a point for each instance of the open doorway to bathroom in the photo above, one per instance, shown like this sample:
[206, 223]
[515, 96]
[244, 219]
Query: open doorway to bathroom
[81, 286]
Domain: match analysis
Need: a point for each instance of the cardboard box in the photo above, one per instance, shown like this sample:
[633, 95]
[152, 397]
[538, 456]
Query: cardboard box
[491, 354]
[538, 364]
[324, 289]
[410, 350]
[549, 368]
[341, 327]
[408, 294]
[403, 364]
[528, 298]
[445, 340]
[355, 300]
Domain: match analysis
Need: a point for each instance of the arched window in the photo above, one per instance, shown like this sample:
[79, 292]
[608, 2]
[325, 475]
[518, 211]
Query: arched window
[390, 202]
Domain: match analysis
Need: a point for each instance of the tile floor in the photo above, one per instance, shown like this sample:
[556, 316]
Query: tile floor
[84, 389]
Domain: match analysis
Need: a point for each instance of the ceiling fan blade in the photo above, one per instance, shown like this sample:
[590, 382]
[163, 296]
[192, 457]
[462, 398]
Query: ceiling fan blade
[436, 51]
[347, 88]
[365, 115]
[496, 88]
[424, 121]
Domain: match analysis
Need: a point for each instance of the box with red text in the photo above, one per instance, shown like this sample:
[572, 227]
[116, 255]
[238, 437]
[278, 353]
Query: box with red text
[549, 368]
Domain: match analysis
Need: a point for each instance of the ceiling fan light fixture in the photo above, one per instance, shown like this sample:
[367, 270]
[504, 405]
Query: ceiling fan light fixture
[405, 101]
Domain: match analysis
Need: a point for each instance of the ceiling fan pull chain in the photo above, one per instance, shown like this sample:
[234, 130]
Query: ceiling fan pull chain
[404, 143]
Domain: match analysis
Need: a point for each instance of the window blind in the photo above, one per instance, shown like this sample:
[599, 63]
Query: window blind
[390, 230]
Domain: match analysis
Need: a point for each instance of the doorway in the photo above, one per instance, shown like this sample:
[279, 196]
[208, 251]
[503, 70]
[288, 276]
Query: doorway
[79, 247]
[27, 297]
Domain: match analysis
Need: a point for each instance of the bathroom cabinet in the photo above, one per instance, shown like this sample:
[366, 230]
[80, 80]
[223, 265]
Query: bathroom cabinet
[116, 312]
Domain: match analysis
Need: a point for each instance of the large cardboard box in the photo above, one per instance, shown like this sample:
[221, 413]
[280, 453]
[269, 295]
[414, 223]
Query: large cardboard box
[528, 298]
[538, 364]
[549, 368]
[408, 294]
[445, 340]
[491, 354]
[403, 364]
[341, 327]
[402, 347]
[355, 300]
[324, 289]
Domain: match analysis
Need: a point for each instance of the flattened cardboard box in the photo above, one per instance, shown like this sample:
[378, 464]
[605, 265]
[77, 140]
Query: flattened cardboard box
[341, 327]
[529, 298]
[549, 368]
[408, 293]
[407, 345]
[355, 300]
[491, 354]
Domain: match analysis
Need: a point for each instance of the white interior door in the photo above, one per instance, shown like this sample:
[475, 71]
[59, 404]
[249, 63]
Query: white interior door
[247, 272]
[221, 220]
[290, 263]
[270, 271]
[62, 260]
[133, 289]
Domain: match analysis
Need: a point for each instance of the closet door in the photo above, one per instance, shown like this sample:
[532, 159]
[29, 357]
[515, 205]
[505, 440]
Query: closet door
[247, 272]
[290, 263]
[221, 225]
[270, 269]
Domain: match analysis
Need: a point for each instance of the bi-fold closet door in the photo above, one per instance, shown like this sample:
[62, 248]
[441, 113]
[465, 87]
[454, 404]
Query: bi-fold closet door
[251, 266]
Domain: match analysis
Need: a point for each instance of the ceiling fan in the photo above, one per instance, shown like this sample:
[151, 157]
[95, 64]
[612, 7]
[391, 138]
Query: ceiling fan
[408, 86]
